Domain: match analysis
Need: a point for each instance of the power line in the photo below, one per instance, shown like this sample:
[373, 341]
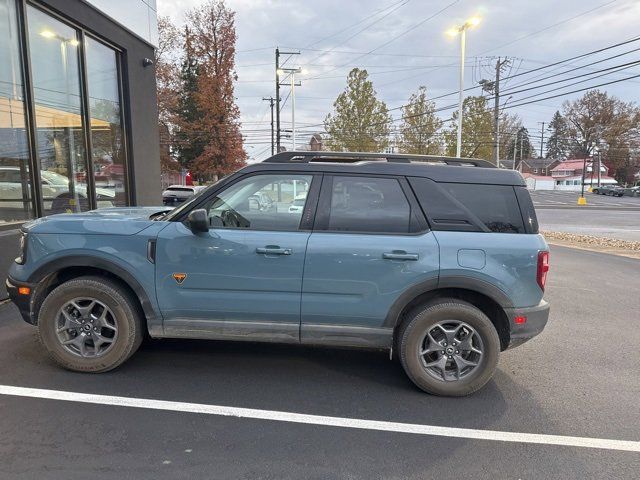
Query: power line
[550, 27]
[393, 39]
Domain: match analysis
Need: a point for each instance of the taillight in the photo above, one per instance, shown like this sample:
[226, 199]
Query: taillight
[543, 269]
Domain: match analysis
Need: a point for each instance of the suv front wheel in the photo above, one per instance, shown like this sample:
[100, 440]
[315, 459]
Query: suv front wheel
[90, 324]
[449, 347]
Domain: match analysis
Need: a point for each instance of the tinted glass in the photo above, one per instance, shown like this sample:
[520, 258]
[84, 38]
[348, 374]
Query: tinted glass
[527, 209]
[53, 48]
[495, 205]
[107, 144]
[15, 184]
[260, 202]
[368, 204]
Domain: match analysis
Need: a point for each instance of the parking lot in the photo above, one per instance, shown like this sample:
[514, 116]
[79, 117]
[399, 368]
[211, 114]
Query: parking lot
[553, 199]
[613, 217]
[578, 379]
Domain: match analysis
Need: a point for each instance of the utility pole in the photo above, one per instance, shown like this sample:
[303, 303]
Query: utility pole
[463, 41]
[521, 139]
[277, 100]
[515, 147]
[278, 73]
[494, 88]
[599, 164]
[541, 138]
[271, 101]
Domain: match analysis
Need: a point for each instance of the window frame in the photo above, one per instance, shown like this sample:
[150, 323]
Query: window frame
[418, 224]
[30, 115]
[308, 213]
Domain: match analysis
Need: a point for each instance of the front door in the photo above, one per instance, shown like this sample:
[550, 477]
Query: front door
[243, 278]
[370, 244]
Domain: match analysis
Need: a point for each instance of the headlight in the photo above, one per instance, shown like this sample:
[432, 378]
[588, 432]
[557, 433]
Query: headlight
[22, 255]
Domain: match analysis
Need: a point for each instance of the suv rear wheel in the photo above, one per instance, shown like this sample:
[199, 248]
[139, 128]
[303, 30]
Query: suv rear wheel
[90, 324]
[449, 347]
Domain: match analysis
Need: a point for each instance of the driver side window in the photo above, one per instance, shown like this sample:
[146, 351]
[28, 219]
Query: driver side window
[261, 202]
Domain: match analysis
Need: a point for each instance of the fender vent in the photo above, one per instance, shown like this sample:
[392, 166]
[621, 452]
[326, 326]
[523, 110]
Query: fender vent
[151, 251]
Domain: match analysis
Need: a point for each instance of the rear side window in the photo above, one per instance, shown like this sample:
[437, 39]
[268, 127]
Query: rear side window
[495, 206]
[471, 207]
[368, 204]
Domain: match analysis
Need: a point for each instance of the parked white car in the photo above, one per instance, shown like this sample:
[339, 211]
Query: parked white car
[55, 191]
[177, 194]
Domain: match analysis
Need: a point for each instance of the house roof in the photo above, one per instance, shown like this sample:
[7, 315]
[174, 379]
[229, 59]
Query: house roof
[574, 164]
[539, 162]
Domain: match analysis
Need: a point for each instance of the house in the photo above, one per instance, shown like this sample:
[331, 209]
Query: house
[568, 174]
[316, 143]
[506, 163]
[538, 166]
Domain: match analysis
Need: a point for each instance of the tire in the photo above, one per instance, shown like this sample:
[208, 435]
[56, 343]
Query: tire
[113, 320]
[431, 319]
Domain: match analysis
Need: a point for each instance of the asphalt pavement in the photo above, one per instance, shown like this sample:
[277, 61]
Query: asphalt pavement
[578, 378]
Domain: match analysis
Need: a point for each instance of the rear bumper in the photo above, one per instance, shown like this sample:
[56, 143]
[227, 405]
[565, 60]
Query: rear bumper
[537, 318]
[23, 302]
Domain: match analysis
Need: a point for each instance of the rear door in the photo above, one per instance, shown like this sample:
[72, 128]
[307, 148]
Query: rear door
[370, 244]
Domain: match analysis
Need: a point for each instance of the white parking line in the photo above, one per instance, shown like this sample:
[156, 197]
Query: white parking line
[279, 416]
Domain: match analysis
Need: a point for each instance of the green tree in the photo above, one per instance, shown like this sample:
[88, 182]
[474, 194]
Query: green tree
[558, 142]
[360, 122]
[477, 130]
[522, 143]
[420, 126]
[189, 143]
[509, 124]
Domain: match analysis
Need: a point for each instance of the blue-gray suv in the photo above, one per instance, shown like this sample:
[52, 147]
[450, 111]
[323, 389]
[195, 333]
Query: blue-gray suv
[437, 260]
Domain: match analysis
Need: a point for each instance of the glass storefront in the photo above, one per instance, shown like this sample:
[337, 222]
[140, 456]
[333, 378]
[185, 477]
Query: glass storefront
[78, 144]
[107, 139]
[15, 192]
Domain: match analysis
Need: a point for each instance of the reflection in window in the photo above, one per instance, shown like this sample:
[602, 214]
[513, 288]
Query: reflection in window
[53, 48]
[15, 192]
[105, 122]
[362, 204]
[261, 202]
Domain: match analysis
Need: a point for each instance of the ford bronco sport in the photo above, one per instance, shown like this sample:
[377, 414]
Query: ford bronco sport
[435, 259]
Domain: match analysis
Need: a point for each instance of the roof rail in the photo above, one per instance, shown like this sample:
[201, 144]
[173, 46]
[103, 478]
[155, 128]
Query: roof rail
[353, 157]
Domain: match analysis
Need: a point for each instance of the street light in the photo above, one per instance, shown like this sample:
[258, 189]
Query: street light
[462, 31]
[292, 76]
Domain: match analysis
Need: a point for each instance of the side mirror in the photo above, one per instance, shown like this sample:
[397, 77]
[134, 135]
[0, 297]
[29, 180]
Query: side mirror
[198, 221]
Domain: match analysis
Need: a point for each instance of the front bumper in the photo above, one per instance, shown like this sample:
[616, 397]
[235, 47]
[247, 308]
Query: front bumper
[22, 301]
[537, 318]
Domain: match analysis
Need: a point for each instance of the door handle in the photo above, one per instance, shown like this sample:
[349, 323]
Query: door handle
[273, 250]
[400, 255]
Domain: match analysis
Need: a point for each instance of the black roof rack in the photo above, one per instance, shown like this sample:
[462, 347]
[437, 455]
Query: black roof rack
[352, 157]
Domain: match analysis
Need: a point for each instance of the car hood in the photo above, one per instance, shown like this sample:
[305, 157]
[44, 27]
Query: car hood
[104, 221]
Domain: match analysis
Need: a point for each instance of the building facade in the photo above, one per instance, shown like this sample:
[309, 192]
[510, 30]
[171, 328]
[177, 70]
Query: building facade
[78, 113]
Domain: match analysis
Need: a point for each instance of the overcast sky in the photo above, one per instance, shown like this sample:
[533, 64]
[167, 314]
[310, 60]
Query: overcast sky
[409, 49]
